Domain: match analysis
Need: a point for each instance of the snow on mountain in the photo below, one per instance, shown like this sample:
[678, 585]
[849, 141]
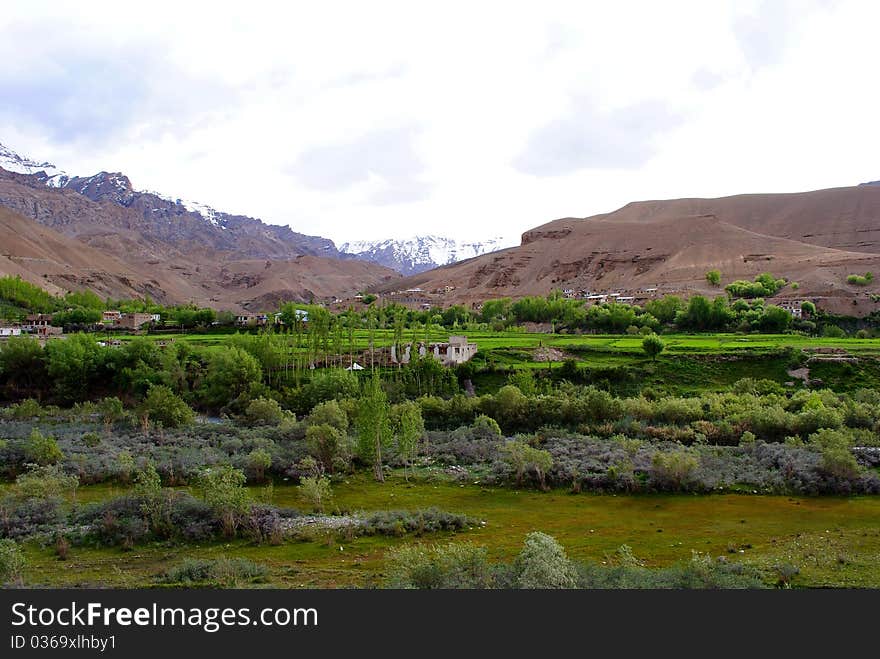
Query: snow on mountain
[419, 253]
[12, 162]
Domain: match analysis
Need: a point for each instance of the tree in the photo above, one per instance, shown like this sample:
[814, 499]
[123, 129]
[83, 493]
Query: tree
[409, 428]
[808, 308]
[326, 444]
[714, 277]
[223, 490]
[264, 412]
[542, 563]
[373, 425]
[164, 406]
[330, 413]
[231, 372]
[653, 345]
[259, 461]
[315, 487]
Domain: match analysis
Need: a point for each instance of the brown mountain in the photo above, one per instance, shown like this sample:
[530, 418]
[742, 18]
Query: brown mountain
[99, 233]
[814, 238]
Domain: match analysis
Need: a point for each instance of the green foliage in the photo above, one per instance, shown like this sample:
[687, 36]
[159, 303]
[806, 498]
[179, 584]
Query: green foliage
[486, 426]
[316, 491]
[162, 406]
[12, 562]
[673, 470]
[860, 280]
[231, 374]
[41, 449]
[44, 482]
[222, 572]
[542, 563]
[653, 345]
[454, 565]
[408, 427]
[764, 285]
[373, 425]
[263, 412]
[222, 488]
[521, 458]
[17, 292]
[326, 444]
[259, 461]
[331, 414]
[714, 277]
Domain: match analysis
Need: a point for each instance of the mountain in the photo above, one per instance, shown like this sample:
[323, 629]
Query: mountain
[871, 183]
[420, 253]
[813, 238]
[177, 251]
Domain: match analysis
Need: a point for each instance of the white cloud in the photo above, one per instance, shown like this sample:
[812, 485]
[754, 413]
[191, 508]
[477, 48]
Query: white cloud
[371, 120]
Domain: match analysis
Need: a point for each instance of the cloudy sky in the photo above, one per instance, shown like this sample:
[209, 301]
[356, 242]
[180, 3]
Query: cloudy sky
[360, 120]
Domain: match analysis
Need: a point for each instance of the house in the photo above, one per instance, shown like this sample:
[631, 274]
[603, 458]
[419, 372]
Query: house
[110, 316]
[155, 318]
[10, 331]
[134, 321]
[35, 320]
[301, 315]
[791, 306]
[355, 367]
[248, 319]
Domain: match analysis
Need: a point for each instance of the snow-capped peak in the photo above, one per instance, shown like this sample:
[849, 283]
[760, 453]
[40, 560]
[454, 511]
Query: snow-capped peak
[420, 253]
[12, 162]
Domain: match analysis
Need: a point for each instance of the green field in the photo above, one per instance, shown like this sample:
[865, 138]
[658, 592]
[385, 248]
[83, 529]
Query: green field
[832, 541]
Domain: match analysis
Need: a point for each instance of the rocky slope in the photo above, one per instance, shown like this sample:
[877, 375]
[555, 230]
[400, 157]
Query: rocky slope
[813, 238]
[177, 251]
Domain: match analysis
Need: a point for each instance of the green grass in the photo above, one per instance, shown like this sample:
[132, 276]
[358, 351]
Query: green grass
[834, 541]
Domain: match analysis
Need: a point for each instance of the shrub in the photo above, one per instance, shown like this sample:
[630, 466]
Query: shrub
[316, 491]
[455, 565]
[542, 563]
[673, 470]
[222, 488]
[263, 412]
[163, 406]
[653, 345]
[522, 458]
[224, 572]
[42, 450]
[12, 562]
[485, 426]
[327, 445]
[259, 461]
[400, 522]
[331, 414]
[44, 482]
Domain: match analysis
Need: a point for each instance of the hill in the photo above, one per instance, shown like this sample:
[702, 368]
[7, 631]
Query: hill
[814, 238]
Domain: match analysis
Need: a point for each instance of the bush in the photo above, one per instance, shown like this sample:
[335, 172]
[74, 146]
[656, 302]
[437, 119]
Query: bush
[327, 445]
[400, 522]
[42, 450]
[222, 488]
[263, 412]
[674, 470]
[542, 563]
[12, 562]
[445, 566]
[316, 491]
[486, 426]
[163, 406]
[224, 572]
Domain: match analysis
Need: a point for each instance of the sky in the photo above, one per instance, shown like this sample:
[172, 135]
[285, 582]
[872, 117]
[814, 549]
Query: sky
[373, 120]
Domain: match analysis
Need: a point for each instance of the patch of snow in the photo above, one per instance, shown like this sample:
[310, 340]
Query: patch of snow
[12, 162]
[423, 252]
